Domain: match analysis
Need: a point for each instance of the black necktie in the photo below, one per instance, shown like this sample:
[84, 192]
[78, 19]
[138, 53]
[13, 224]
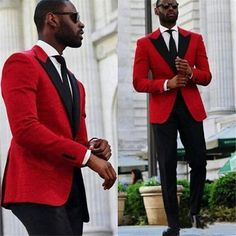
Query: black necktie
[65, 83]
[172, 45]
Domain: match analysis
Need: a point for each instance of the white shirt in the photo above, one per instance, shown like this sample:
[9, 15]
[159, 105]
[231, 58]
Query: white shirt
[51, 51]
[166, 37]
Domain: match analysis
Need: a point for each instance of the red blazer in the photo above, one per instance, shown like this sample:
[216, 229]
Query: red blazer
[152, 55]
[48, 141]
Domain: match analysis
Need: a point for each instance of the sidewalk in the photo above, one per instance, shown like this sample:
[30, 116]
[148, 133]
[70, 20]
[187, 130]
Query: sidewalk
[218, 229]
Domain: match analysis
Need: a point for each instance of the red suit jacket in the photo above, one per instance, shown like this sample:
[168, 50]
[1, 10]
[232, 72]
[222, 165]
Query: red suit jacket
[48, 140]
[152, 55]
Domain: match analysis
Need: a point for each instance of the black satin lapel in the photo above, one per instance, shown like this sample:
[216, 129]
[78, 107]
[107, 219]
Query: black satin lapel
[183, 45]
[76, 103]
[161, 47]
[56, 80]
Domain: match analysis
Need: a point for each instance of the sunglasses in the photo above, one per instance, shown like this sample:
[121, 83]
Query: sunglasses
[168, 5]
[75, 17]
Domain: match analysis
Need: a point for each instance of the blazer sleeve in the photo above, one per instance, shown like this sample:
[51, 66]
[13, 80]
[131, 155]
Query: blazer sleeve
[19, 88]
[201, 71]
[141, 69]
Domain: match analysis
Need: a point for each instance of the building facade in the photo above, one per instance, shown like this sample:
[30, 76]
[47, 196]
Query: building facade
[95, 64]
[216, 22]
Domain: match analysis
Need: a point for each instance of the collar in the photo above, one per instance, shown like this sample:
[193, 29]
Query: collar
[163, 29]
[47, 48]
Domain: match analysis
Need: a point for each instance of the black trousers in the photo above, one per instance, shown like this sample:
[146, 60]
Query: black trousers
[192, 137]
[40, 219]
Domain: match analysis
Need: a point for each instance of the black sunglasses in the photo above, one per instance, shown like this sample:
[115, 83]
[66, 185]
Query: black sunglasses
[75, 17]
[168, 5]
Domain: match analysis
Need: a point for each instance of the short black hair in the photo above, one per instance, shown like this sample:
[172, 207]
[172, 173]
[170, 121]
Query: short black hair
[43, 8]
[157, 2]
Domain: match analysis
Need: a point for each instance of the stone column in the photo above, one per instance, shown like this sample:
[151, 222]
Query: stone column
[29, 30]
[104, 39]
[11, 41]
[220, 57]
[83, 63]
[205, 91]
[107, 61]
[233, 34]
[10, 25]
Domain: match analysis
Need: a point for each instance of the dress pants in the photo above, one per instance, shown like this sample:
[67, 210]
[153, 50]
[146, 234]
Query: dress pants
[40, 219]
[192, 136]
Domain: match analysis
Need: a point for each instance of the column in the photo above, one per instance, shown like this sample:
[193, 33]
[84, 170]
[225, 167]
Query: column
[220, 57]
[205, 91]
[104, 38]
[10, 25]
[108, 74]
[233, 34]
[29, 30]
[11, 41]
[83, 63]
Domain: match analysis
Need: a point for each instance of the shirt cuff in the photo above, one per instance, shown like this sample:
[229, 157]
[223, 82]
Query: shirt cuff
[165, 85]
[86, 157]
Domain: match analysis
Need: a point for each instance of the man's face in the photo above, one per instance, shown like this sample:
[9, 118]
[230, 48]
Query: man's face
[167, 10]
[70, 30]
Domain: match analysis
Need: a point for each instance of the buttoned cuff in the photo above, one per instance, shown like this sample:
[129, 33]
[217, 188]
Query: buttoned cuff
[86, 157]
[165, 85]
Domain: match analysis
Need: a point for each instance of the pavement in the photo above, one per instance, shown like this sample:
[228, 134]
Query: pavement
[217, 229]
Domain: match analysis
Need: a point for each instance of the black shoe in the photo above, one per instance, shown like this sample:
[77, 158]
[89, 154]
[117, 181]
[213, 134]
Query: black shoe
[195, 221]
[171, 232]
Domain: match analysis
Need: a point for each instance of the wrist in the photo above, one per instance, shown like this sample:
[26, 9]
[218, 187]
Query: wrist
[91, 160]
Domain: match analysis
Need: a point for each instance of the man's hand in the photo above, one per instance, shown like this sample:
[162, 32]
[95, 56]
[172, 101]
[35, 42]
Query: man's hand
[177, 81]
[183, 67]
[100, 148]
[104, 169]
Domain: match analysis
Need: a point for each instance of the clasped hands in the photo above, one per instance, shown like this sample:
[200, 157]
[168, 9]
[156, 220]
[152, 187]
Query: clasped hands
[98, 161]
[184, 73]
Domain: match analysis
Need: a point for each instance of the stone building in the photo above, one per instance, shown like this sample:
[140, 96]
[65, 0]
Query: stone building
[217, 23]
[95, 64]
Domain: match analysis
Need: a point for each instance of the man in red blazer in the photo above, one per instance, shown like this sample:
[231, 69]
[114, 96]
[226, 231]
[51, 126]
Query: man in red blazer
[178, 63]
[43, 184]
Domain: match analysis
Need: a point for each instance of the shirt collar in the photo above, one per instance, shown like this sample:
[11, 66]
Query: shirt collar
[50, 51]
[163, 28]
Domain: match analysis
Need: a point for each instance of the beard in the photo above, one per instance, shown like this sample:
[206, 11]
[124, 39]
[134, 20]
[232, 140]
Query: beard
[168, 19]
[72, 44]
[67, 37]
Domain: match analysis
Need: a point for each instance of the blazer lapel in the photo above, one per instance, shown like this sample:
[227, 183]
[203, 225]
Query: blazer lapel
[56, 80]
[76, 104]
[161, 47]
[183, 44]
[48, 66]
